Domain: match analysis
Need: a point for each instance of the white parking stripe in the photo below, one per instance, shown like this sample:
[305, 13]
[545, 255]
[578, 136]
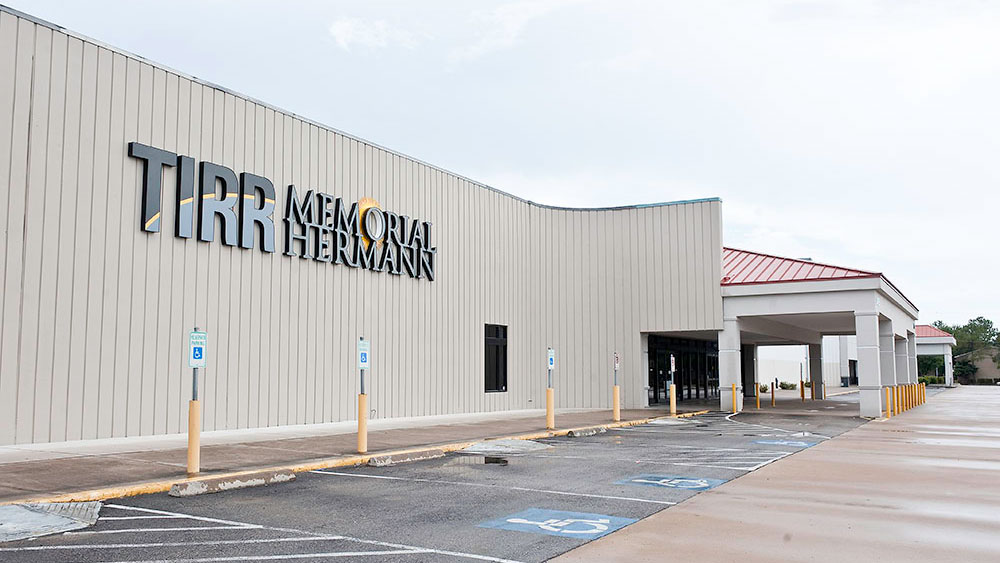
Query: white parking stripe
[232, 525]
[758, 466]
[492, 486]
[712, 466]
[169, 544]
[329, 555]
[177, 529]
[772, 427]
[179, 515]
[112, 518]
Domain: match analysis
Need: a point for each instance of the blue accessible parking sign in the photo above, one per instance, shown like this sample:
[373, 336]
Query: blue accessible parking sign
[198, 341]
[673, 482]
[582, 525]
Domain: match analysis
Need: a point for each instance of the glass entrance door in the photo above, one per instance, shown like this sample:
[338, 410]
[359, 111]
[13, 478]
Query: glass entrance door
[659, 377]
[697, 369]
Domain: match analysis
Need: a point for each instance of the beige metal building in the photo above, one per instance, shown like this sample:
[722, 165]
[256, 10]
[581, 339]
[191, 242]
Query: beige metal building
[104, 275]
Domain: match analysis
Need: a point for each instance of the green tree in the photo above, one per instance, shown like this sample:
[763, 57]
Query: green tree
[977, 336]
[930, 365]
[973, 336]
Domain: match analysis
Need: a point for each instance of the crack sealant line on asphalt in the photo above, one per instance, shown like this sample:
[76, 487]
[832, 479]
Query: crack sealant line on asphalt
[150, 487]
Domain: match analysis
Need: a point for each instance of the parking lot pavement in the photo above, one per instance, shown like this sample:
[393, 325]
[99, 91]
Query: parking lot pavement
[919, 487]
[515, 505]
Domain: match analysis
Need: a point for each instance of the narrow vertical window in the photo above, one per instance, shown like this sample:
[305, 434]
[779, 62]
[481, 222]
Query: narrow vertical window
[496, 358]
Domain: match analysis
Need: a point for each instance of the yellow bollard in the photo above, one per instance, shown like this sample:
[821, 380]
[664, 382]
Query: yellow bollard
[802, 390]
[362, 423]
[923, 392]
[616, 410]
[772, 393]
[756, 393]
[734, 397]
[194, 438]
[550, 408]
[888, 403]
[895, 399]
[673, 400]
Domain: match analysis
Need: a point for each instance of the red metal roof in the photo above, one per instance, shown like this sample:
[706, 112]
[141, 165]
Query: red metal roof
[745, 267]
[928, 331]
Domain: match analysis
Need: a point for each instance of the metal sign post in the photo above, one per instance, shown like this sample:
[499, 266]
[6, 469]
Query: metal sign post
[197, 348]
[364, 358]
[550, 414]
[616, 411]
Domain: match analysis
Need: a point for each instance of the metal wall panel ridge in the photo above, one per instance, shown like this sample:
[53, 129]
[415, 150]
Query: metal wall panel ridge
[96, 310]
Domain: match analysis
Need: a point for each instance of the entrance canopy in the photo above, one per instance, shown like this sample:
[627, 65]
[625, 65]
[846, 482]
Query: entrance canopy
[771, 300]
[932, 341]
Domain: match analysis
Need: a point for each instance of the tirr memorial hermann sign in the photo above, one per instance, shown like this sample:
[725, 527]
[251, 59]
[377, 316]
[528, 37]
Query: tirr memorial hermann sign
[317, 226]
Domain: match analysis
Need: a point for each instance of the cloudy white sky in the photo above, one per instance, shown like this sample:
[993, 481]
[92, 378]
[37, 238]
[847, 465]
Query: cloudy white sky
[864, 134]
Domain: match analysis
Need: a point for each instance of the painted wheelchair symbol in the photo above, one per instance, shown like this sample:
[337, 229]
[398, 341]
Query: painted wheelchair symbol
[581, 525]
[567, 525]
[676, 483]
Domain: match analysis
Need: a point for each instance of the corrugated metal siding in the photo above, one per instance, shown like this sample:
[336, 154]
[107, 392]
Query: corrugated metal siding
[96, 312]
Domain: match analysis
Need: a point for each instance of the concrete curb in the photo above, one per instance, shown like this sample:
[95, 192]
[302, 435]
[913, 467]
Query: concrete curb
[393, 459]
[585, 432]
[219, 484]
[150, 487]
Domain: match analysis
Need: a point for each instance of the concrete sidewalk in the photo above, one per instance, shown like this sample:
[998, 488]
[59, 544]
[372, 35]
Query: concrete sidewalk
[52, 471]
[922, 486]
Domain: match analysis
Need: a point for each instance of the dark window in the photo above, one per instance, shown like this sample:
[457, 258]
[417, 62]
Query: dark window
[496, 358]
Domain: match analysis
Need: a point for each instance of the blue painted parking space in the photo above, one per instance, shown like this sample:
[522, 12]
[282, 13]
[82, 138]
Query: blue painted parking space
[580, 525]
[673, 482]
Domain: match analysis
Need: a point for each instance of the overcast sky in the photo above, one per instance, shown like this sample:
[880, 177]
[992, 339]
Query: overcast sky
[864, 134]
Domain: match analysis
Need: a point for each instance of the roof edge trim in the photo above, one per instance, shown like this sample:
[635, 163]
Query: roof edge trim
[772, 282]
